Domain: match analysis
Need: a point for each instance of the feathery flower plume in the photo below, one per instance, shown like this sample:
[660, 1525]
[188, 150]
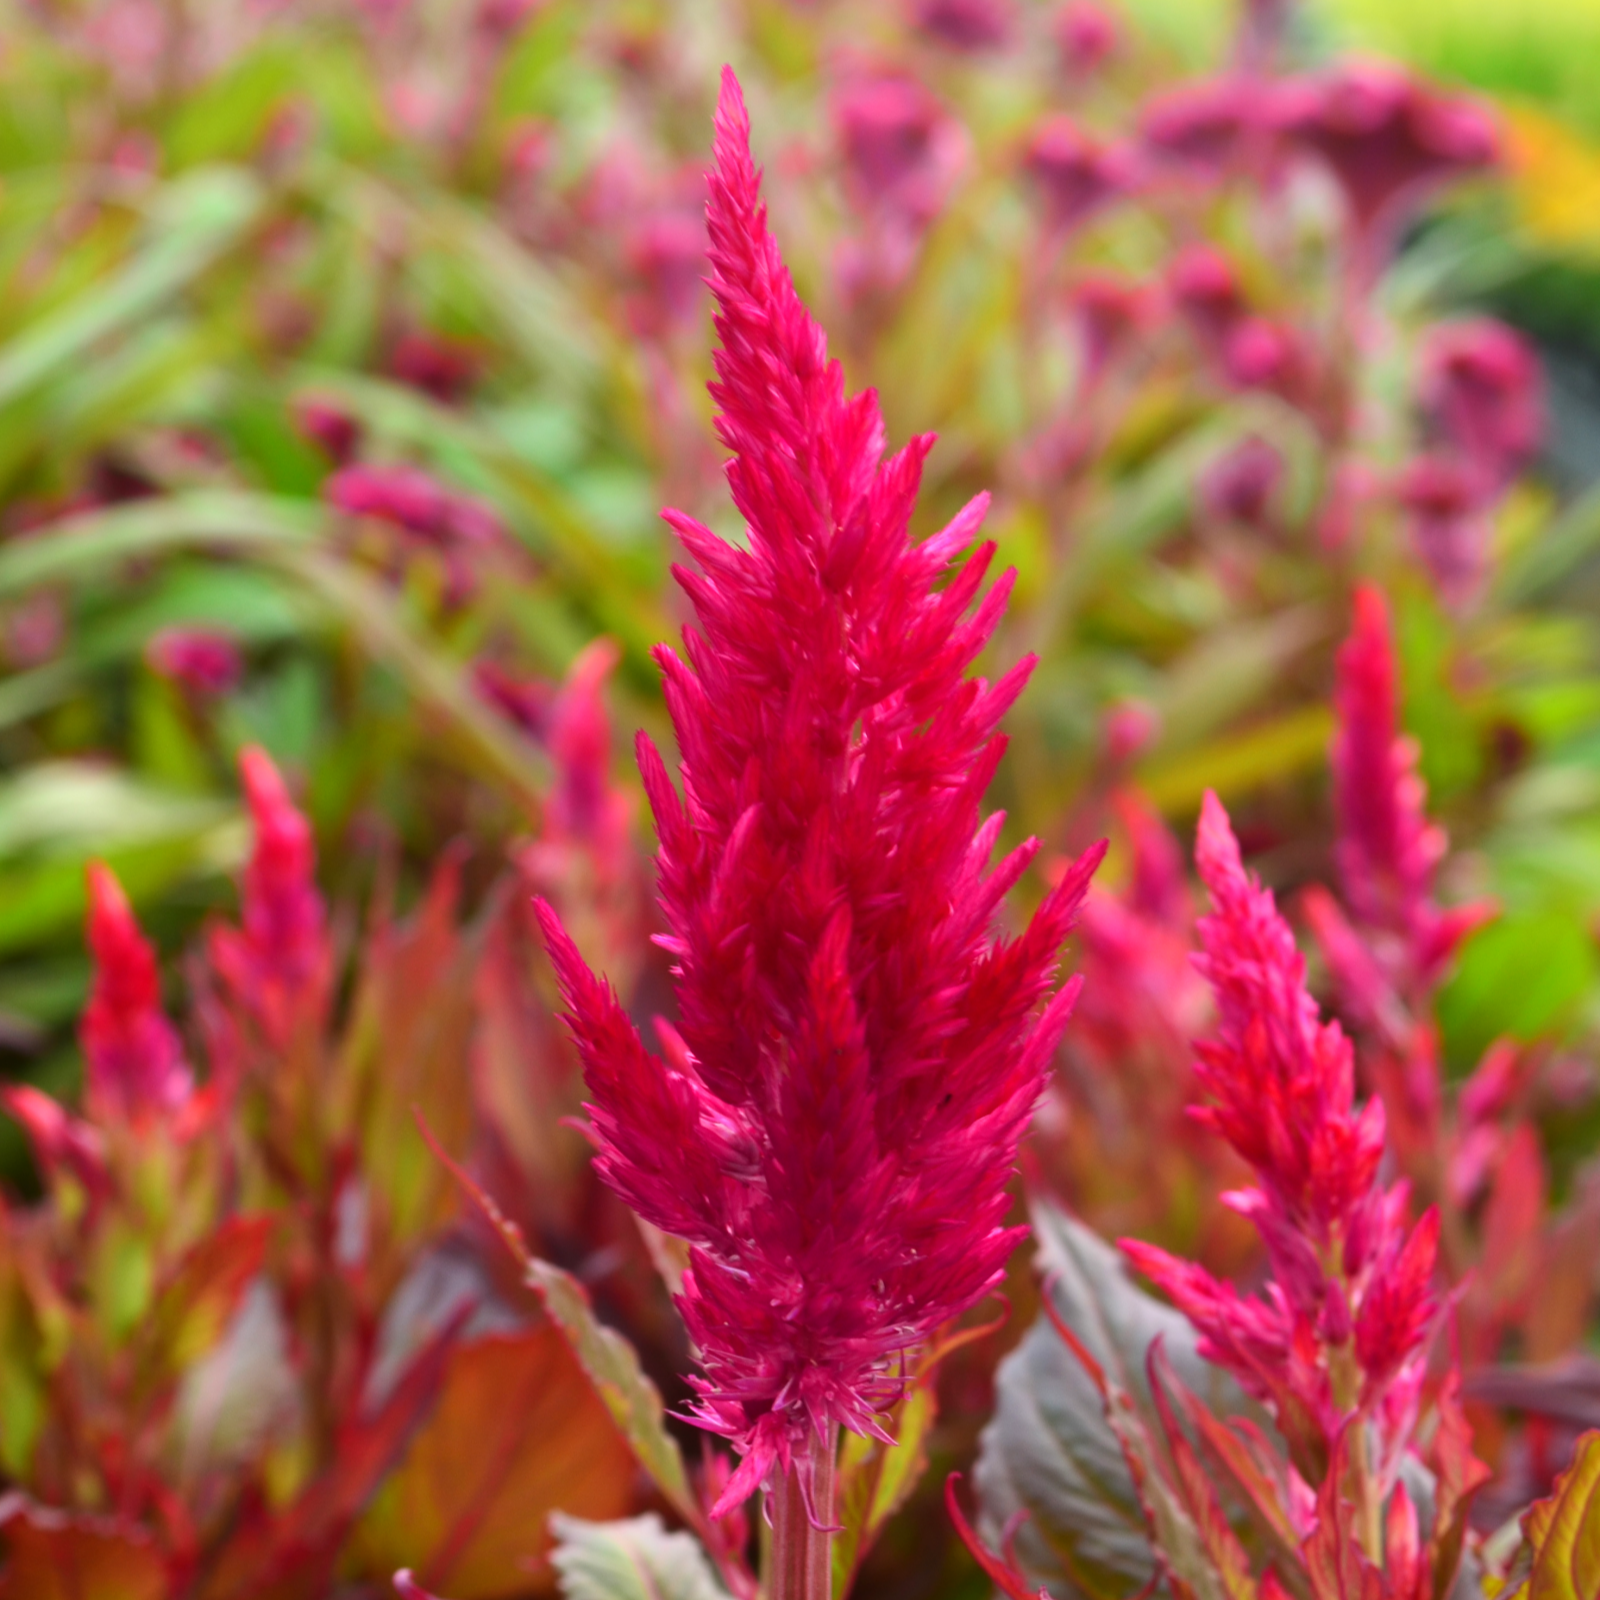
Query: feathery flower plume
[280, 955]
[131, 1053]
[1345, 1325]
[858, 1053]
[1387, 850]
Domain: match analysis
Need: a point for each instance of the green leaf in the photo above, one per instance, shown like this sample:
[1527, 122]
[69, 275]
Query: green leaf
[1050, 1451]
[194, 220]
[635, 1559]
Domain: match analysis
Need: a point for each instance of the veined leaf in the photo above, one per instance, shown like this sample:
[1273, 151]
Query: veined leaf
[636, 1559]
[1052, 1453]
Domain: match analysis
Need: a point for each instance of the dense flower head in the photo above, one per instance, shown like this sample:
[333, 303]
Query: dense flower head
[857, 1053]
[666, 252]
[1388, 138]
[1480, 387]
[329, 426]
[1244, 484]
[1346, 1317]
[133, 1060]
[280, 955]
[1074, 174]
[204, 661]
[1387, 850]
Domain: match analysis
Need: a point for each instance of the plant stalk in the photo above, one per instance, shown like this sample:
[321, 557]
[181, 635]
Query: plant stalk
[801, 1552]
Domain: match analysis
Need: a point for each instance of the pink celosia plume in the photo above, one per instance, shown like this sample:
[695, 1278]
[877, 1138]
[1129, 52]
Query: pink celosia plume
[1344, 1326]
[1387, 850]
[132, 1057]
[1480, 387]
[837, 1114]
[280, 956]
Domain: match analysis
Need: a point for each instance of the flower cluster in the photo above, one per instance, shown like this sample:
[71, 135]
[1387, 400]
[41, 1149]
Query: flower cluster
[857, 1054]
[1344, 1329]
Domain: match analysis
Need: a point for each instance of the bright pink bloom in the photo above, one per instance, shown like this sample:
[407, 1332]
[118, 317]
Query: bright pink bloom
[1349, 1284]
[1388, 138]
[1387, 849]
[1087, 34]
[1448, 503]
[1074, 173]
[1204, 128]
[965, 25]
[280, 957]
[1261, 354]
[132, 1057]
[1480, 386]
[858, 1054]
[202, 660]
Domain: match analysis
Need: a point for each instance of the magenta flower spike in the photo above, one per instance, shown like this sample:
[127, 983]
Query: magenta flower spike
[858, 1053]
[1343, 1329]
[134, 1063]
[280, 957]
[1480, 387]
[1387, 850]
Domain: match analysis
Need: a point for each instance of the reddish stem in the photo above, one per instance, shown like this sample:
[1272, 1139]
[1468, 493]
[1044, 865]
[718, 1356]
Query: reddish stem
[802, 1526]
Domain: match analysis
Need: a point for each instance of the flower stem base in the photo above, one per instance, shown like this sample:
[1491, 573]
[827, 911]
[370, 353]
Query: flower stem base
[801, 1504]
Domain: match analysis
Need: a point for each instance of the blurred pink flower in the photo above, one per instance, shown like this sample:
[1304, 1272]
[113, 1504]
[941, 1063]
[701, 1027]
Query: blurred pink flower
[1447, 503]
[965, 25]
[1389, 139]
[523, 701]
[1087, 34]
[204, 661]
[1242, 486]
[329, 426]
[279, 960]
[1111, 313]
[1205, 128]
[1074, 174]
[61, 1142]
[902, 152]
[667, 254]
[453, 526]
[1480, 387]
[132, 1058]
[441, 367]
[837, 1115]
[1387, 850]
[35, 630]
[1205, 288]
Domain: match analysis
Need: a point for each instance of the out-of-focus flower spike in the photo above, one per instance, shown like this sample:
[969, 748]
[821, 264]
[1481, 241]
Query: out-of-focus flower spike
[278, 962]
[134, 1062]
[61, 1143]
[1387, 850]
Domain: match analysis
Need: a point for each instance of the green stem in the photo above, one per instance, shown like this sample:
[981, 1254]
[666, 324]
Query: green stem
[801, 1552]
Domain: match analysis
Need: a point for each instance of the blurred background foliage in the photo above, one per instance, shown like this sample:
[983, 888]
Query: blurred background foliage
[261, 261]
